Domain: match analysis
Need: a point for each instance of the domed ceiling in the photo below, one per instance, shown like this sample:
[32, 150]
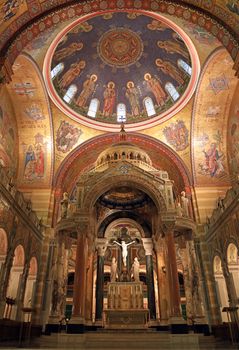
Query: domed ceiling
[124, 198]
[133, 67]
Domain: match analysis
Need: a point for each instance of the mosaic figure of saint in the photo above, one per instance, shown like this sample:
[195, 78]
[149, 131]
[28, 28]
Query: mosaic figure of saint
[132, 94]
[155, 87]
[30, 158]
[213, 160]
[39, 161]
[173, 47]
[156, 25]
[72, 73]
[109, 99]
[82, 27]
[169, 69]
[67, 51]
[88, 89]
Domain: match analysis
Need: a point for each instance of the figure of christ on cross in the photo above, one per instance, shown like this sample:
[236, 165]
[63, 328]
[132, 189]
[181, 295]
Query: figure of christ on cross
[124, 247]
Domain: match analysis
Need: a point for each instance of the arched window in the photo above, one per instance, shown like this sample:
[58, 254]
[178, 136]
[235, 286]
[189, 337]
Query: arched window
[121, 113]
[172, 91]
[149, 106]
[56, 70]
[70, 93]
[93, 107]
[185, 67]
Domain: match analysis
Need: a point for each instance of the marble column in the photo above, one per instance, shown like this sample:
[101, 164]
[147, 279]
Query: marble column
[6, 267]
[51, 265]
[89, 283]
[187, 284]
[174, 292]
[214, 313]
[78, 314]
[231, 291]
[22, 288]
[58, 293]
[160, 247]
[198, 311]
[37, 317]
[101, 246]
[5, 274]
[148, 246]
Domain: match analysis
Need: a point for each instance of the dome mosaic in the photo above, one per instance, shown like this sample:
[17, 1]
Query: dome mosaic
[138, 68]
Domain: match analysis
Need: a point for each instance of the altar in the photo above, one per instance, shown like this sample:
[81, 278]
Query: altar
[125, 306]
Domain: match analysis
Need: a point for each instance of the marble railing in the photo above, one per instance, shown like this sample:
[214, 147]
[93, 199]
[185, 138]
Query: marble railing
[24, 205]
[221, 205]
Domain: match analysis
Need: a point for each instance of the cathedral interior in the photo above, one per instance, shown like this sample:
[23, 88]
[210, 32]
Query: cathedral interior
[119, 173]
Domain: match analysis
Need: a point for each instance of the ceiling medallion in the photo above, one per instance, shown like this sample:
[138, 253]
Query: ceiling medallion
[120, 47]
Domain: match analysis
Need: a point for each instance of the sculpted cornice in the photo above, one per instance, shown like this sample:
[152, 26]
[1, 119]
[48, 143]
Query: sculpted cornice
[221, 217]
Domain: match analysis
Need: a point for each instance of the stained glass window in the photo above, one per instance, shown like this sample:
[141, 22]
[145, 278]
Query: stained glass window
[70, 93]
[56, 70]
[185, 67]
[172, 91]
[93, 107]
[121, 113]
[149, 106]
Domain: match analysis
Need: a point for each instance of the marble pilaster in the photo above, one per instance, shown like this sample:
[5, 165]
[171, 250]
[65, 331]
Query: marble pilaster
[148, 246]
[78, 314]
[101, 246]
[175, 311]
[160, 247]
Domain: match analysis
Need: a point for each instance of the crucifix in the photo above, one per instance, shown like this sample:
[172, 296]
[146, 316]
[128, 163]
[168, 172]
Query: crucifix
[124, 247]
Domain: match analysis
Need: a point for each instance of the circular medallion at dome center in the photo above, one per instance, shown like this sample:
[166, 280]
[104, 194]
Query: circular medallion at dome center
[120, 47]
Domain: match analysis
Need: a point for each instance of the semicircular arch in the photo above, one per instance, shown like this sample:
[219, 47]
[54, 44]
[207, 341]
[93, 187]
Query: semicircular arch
[125, 217]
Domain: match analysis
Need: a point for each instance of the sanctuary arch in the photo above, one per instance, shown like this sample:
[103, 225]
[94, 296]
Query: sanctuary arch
[124, 200]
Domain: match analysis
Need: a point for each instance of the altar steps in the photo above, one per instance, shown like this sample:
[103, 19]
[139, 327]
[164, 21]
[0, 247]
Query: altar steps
[130, 340]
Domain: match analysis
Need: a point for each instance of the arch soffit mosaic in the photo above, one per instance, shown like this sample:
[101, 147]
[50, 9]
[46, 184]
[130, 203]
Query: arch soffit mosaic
[34, 121]
[50, 14]
[212, 102]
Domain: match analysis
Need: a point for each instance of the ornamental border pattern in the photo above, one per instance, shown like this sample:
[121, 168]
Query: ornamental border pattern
[13, 49]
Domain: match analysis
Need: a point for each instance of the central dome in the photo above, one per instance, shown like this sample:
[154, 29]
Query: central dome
[137, 67]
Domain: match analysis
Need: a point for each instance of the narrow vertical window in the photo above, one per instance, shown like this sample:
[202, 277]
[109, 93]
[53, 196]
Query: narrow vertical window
[149, 106]
[70, 93]
[172, 91]
[185, 67]
[57, 70]
[93, 107]
[121, 113]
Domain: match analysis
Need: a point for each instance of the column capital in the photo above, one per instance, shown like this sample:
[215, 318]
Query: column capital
[101, 246]
[82, 227]
[148, 246]
[167, 226]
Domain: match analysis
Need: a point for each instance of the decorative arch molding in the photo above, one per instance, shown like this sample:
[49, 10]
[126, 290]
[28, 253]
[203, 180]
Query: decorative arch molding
[66, 176]
[216, 254]
[34, 21]
[126, 218]
[4, 243]
[134, 179]
[19, 248]
[231, 240]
